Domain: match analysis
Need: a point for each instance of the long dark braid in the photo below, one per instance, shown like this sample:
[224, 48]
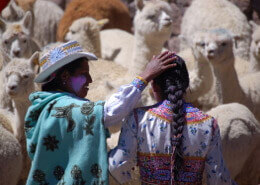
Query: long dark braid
[174, 83]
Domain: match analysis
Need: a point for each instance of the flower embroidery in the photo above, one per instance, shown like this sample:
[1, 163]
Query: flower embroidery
[89, 125]
[193, 130]
[32, 148]
[87, 108]
[66, 112]
[39, 176]
[51, 106]
[96, 170]
[58, 172]
[76, 174]
[35, 114]
[51, 143]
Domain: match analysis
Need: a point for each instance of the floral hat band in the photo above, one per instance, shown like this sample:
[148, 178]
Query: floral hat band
[58, 53]
[60, 56]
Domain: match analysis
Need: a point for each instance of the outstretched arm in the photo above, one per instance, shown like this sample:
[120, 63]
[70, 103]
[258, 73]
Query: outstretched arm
[121, 103]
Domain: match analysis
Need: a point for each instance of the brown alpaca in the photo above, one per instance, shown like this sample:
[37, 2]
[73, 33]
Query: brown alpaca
[114, 10]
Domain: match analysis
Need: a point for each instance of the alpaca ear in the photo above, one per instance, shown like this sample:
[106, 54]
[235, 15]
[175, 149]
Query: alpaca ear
[253, 25]
[139, 4]
[2, 25]
[102, 23]
[12, 10]
[27, 21]
[34, 60]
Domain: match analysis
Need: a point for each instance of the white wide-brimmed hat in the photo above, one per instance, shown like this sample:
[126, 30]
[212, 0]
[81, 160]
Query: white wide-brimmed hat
[59, 57]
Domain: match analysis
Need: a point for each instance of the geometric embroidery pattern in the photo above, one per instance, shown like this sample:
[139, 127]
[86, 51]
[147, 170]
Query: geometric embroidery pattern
[156, 169]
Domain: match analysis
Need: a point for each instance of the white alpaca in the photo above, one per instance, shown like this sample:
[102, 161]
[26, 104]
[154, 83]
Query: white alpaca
[255, 48]
[10, 153]
[214, 45]
[229, 87]
[211, 14]
[240, 135]
[46, 18]
[18, 84]
[86, 31]
[16, 38]
[152, 27]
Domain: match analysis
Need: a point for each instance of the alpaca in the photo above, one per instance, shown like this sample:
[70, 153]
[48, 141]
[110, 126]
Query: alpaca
[86, 31]
[114, 10]
[18, 84]
[240, 135]
[10, 154]
[12, 12]
[207, 46]
[211, 14]
[229, 87]
[255, 48]
[16, 37]
[46, 16]
[152, 27]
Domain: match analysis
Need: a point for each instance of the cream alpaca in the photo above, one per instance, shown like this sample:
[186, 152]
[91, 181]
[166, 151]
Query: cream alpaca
[240, 135]
[10, 153]
[18, 84]
[16, 37]
[152, 27]
[86, 31]
[214, 45]
[46, 16]
[229, 87]
[211, 14]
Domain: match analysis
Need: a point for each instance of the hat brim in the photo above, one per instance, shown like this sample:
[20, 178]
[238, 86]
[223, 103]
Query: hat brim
[66, 60]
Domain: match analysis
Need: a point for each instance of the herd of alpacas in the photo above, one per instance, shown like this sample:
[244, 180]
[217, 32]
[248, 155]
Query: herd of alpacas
[220, 46]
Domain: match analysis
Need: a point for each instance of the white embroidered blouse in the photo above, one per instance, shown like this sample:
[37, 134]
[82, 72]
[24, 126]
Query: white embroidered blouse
[145, 141]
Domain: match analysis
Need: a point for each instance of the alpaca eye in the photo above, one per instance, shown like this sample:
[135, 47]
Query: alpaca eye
[150, 16]
[202, 44]
[223, 44]
[6, 42]
[25, 76]
[73, 32]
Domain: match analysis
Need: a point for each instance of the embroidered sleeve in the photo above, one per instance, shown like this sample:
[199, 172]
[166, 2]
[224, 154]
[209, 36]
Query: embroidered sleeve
[215, 167]
[139, 83]
[123, 157]
[121, 103]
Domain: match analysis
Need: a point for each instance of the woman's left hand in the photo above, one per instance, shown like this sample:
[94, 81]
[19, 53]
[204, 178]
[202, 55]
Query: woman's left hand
[158, 64]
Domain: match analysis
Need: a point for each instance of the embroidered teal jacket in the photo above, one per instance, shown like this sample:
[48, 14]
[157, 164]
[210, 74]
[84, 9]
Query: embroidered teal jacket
[66, 140]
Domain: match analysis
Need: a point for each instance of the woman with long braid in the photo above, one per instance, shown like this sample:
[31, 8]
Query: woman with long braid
[171, 142]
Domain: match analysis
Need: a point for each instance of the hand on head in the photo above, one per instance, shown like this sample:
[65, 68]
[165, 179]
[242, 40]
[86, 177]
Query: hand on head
[159, 64]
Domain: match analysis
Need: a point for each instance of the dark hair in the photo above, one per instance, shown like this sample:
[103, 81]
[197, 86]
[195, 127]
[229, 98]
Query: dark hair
[174, 83]
[56, 83]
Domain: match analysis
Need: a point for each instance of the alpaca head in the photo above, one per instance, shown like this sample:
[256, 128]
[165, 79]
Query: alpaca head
[16, 36]
[12, 12]
[153, 19]
[18, 76]
[214, 46]
[255, 44]
[86, 31]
